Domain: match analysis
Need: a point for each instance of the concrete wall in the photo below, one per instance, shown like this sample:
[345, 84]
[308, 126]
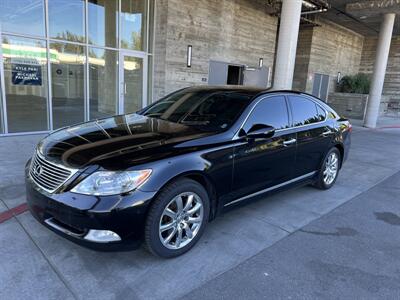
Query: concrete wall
[238, 32]
[354, 105]
[333, 49]
[391, 87]
[302, 58]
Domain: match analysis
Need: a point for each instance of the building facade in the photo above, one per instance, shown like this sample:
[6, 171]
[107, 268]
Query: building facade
[68, 61]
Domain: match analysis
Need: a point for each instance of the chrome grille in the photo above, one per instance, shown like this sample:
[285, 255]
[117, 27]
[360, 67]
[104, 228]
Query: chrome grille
[48, 176]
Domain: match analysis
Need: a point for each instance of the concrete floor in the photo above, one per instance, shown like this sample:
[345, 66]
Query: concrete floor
[37, 263]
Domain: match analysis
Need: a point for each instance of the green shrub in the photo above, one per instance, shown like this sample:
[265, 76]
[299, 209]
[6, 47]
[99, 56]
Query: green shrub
[357, 84]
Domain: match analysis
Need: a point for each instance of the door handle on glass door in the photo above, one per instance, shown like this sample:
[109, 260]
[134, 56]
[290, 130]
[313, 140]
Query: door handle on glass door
[289, 142]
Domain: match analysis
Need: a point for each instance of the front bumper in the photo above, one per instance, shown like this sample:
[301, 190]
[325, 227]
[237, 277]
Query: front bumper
[73, 216]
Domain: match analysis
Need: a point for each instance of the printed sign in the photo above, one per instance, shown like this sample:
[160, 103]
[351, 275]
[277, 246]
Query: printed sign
[24, 74]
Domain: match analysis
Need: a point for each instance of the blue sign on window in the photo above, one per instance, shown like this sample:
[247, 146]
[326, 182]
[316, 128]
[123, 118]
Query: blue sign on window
[23, 74]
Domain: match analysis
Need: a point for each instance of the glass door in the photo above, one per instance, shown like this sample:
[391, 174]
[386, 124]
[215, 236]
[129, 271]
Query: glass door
[133, 81]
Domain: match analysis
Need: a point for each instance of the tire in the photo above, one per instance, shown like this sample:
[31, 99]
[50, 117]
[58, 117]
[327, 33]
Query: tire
[161, 224]
[322, 182]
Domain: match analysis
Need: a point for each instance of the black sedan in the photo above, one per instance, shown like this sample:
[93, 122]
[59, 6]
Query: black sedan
[161, 174]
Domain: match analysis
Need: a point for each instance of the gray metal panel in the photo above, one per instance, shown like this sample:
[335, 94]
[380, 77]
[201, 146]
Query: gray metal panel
[316, 84]
[323, 93]
[217, 73]
[257, 77]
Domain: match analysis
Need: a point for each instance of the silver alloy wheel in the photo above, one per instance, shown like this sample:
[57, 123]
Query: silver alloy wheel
[181, 220]
[331, 168]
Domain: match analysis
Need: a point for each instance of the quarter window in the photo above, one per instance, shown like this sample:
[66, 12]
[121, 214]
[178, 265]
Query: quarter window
[304, 111]
[321, 113]
[271, 111]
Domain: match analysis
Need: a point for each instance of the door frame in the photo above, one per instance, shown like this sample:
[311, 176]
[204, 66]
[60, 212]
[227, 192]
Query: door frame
[121, 79]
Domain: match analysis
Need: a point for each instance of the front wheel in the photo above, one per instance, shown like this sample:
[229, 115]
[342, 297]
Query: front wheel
[177, 218]
[329, 170]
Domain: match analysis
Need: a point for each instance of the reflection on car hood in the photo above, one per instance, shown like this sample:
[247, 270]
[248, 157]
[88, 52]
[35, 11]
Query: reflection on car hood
[117, 143]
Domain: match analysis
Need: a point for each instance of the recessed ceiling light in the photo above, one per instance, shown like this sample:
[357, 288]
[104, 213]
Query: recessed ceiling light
[363, 17]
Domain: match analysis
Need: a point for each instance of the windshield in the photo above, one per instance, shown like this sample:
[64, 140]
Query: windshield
[209, 110]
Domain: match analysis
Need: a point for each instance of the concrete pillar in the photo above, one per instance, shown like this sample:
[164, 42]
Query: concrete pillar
[378, 77]
[287, 44]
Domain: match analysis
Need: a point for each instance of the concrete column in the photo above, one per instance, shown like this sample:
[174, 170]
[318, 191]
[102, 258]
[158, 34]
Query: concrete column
[378, 77]
[287, 44]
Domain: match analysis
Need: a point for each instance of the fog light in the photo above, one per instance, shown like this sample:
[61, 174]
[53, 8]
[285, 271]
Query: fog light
[102, 236]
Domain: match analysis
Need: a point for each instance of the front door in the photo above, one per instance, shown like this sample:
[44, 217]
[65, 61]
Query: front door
[265, 162]
[133, 81]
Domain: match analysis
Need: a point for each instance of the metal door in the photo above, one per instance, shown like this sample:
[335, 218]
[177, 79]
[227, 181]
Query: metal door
[217, 73]
[321, 86]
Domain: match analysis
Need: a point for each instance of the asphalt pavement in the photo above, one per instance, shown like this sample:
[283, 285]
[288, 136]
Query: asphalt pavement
[351, 253]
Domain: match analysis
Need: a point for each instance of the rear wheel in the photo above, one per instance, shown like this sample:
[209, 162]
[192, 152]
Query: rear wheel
[329, 170]
[177, 218]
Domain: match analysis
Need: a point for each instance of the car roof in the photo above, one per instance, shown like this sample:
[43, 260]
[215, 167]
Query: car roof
[226, 88]
[251, 91]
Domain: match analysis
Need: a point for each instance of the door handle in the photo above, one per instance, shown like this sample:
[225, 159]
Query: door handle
[289, 142]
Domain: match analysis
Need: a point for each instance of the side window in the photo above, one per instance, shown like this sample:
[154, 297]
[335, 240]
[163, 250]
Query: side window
[271, 111]
[304, 111]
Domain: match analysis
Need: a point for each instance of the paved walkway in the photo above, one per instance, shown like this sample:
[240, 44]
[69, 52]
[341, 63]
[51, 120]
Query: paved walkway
[37, 263]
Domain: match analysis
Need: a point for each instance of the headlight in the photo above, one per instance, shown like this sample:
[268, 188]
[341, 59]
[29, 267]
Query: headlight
[106, 183]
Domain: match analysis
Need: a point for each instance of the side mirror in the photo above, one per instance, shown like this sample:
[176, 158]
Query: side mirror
[258, 131]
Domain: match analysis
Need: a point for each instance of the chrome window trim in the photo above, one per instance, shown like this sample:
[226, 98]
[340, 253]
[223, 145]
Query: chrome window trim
[236, 136]
[272, 188]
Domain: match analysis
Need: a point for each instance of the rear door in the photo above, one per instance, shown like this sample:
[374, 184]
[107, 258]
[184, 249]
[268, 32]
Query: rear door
[265, 162]
[314, 134]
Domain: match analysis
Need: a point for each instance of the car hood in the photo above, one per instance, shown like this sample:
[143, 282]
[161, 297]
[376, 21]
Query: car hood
[118, 142]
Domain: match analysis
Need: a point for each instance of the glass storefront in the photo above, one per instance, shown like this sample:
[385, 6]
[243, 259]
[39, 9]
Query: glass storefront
[133, 83]
[69, 61]
[25, 71]
[103, 75]
[103, 23]
[68, 84]
[23, 17]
